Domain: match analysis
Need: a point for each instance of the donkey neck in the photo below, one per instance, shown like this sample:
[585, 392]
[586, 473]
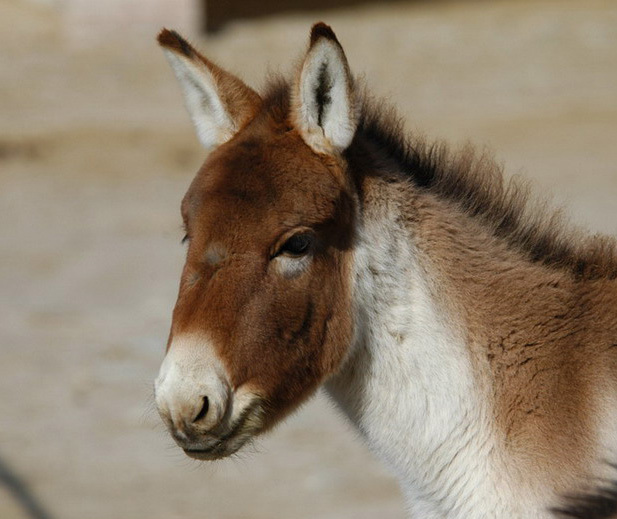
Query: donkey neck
[409, 384]
[541, 337]
[429, 382]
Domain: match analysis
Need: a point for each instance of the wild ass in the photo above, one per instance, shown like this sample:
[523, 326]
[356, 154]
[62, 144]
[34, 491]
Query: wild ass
[466, 334]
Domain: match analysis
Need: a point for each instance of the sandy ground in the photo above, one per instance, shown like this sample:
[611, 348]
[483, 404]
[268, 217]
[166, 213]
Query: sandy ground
[95, 154]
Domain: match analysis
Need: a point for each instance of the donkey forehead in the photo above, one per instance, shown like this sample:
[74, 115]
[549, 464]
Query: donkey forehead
[250, 178]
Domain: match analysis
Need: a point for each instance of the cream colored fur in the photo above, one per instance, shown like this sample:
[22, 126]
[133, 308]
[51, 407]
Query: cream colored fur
[410, 387]
[212, 122]
[325, 67]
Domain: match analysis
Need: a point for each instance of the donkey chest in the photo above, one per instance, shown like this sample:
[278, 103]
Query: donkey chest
[420, 413]
[412, 392]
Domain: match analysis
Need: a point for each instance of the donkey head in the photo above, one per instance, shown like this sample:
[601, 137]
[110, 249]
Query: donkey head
[264, 310]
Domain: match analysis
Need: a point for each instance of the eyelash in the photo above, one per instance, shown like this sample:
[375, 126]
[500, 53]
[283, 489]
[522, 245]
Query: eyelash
[185, 230]
[297, 245]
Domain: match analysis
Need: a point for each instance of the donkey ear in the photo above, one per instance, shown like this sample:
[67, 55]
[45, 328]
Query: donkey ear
[324, 106]
[219, 103]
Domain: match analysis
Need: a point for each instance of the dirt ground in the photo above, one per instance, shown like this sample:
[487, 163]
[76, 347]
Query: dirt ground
[95, 154]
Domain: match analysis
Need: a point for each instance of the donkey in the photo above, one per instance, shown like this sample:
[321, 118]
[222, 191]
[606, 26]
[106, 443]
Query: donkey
[468, 335]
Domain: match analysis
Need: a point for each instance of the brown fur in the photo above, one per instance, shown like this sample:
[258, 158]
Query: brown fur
[321, 30]
[475, 183]
[241, 101]
[542, 324]
[252, 314]
[543, 337]
[511, 244]
[537, 301]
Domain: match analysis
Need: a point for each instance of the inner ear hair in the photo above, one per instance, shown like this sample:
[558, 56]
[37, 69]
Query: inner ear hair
[324, 81]
[219, 103]
[322, 92]
[325, 110]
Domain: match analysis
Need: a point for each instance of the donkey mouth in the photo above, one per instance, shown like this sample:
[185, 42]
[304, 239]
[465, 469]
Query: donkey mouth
[248, 424]
[216, 452]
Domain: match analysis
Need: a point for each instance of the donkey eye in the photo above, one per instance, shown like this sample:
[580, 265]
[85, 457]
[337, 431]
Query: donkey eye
[185, 239]
[298, 245]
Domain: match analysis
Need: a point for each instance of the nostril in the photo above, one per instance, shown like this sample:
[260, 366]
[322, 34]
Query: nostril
[203, 411]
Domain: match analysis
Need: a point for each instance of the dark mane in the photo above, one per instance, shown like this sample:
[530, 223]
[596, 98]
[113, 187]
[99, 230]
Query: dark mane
[276, 99]
[475, 182]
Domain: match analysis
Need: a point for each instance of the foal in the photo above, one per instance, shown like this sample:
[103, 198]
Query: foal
[470, 339]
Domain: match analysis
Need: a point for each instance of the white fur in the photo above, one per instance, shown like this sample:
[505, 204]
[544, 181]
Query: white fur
[410, 388]
[605, 407]
[291, 266]
[190, 371]
[339, 118]
[212, 122]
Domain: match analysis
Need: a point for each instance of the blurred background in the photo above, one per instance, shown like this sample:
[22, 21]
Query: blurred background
[96, 151]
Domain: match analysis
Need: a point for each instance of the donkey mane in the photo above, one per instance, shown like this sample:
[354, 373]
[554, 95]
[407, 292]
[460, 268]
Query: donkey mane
[475, 182]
